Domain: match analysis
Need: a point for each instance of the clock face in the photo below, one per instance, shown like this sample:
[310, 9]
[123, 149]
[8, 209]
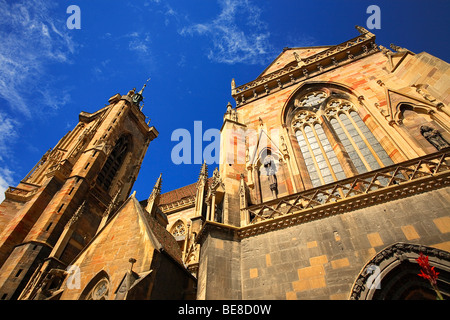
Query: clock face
[313, 99]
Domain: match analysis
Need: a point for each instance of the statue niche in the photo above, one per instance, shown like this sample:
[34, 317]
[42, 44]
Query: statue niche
[270, 168]
[270, 175]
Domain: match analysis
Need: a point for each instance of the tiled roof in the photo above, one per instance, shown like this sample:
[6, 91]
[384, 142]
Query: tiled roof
[164, 238]
[180, 193]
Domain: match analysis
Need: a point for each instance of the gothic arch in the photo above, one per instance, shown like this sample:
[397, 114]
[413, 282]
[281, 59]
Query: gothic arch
[412, 117]
[406, 105]
[328, 136]
[215, 198]
[179, 228]
[392, 274]
[307, 87]
[98, 288]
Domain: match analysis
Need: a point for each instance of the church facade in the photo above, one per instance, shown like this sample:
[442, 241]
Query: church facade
[333, 179]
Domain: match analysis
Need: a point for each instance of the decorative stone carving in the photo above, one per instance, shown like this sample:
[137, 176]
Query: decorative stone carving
[434, 137]
[284, 148]
[385, 50]
[357, 47]
[420, 90]
[271, 170]
[297, 57]
[397, 48]
[231, 113]
[77, 215]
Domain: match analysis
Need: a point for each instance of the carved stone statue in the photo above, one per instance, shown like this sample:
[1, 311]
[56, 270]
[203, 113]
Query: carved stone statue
[284, 148]
[434, 137]
[397, 48]
[271, 170]
[297, 57]
[247, 155]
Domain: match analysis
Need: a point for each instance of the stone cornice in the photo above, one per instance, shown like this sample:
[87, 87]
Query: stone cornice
[302, 69]
[178, 205]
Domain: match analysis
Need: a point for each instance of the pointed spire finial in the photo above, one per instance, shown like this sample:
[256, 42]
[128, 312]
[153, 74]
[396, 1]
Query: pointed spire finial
[153, 198]
[137, 97]
[204, 170]
[145, 84]
[156, 189]
[158, 183]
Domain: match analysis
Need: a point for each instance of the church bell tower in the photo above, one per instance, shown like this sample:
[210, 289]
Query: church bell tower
[60, 204]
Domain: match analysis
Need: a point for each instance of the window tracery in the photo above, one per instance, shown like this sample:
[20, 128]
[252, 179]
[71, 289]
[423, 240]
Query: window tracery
[320, 159]
[100, 290]
[178, 229]
[345, 126]
[312, 99]
[363, 148]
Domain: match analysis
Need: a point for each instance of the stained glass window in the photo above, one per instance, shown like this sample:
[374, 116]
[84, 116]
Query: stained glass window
[322, 163]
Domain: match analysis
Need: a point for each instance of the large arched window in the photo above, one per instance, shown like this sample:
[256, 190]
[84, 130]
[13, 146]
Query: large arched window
[331, 135]
[113, 163]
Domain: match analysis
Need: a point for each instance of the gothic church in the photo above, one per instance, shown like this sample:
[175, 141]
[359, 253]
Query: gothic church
[333, 178]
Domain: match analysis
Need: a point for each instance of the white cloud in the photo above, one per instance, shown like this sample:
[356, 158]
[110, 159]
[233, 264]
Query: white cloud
[32, 36]
[139, 42]
[237, 34]
[8, 132]
[6, 179]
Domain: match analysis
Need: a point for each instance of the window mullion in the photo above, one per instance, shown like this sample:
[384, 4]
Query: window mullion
[313, 157]
[324, 154]
[363, 137]
[363, 159]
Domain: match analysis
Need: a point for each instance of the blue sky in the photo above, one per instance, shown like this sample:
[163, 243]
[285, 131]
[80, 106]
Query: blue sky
[190, 49]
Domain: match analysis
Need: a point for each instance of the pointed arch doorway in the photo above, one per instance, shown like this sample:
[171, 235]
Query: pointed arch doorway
[393, 274]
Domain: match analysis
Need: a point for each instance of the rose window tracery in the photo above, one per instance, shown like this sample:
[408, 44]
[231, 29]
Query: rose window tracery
[100, 291]
[179, 229]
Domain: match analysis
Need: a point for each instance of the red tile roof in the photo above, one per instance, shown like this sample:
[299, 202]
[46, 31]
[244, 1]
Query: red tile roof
[180, 193]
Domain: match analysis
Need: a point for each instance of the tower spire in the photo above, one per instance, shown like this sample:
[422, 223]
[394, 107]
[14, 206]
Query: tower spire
[204, 171]
[138, 97]
[157, 187]
[153, 202]
[153, 199]
[145, 84]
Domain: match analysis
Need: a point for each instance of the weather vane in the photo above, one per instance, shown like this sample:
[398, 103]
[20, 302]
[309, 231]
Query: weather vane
[145, 84]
